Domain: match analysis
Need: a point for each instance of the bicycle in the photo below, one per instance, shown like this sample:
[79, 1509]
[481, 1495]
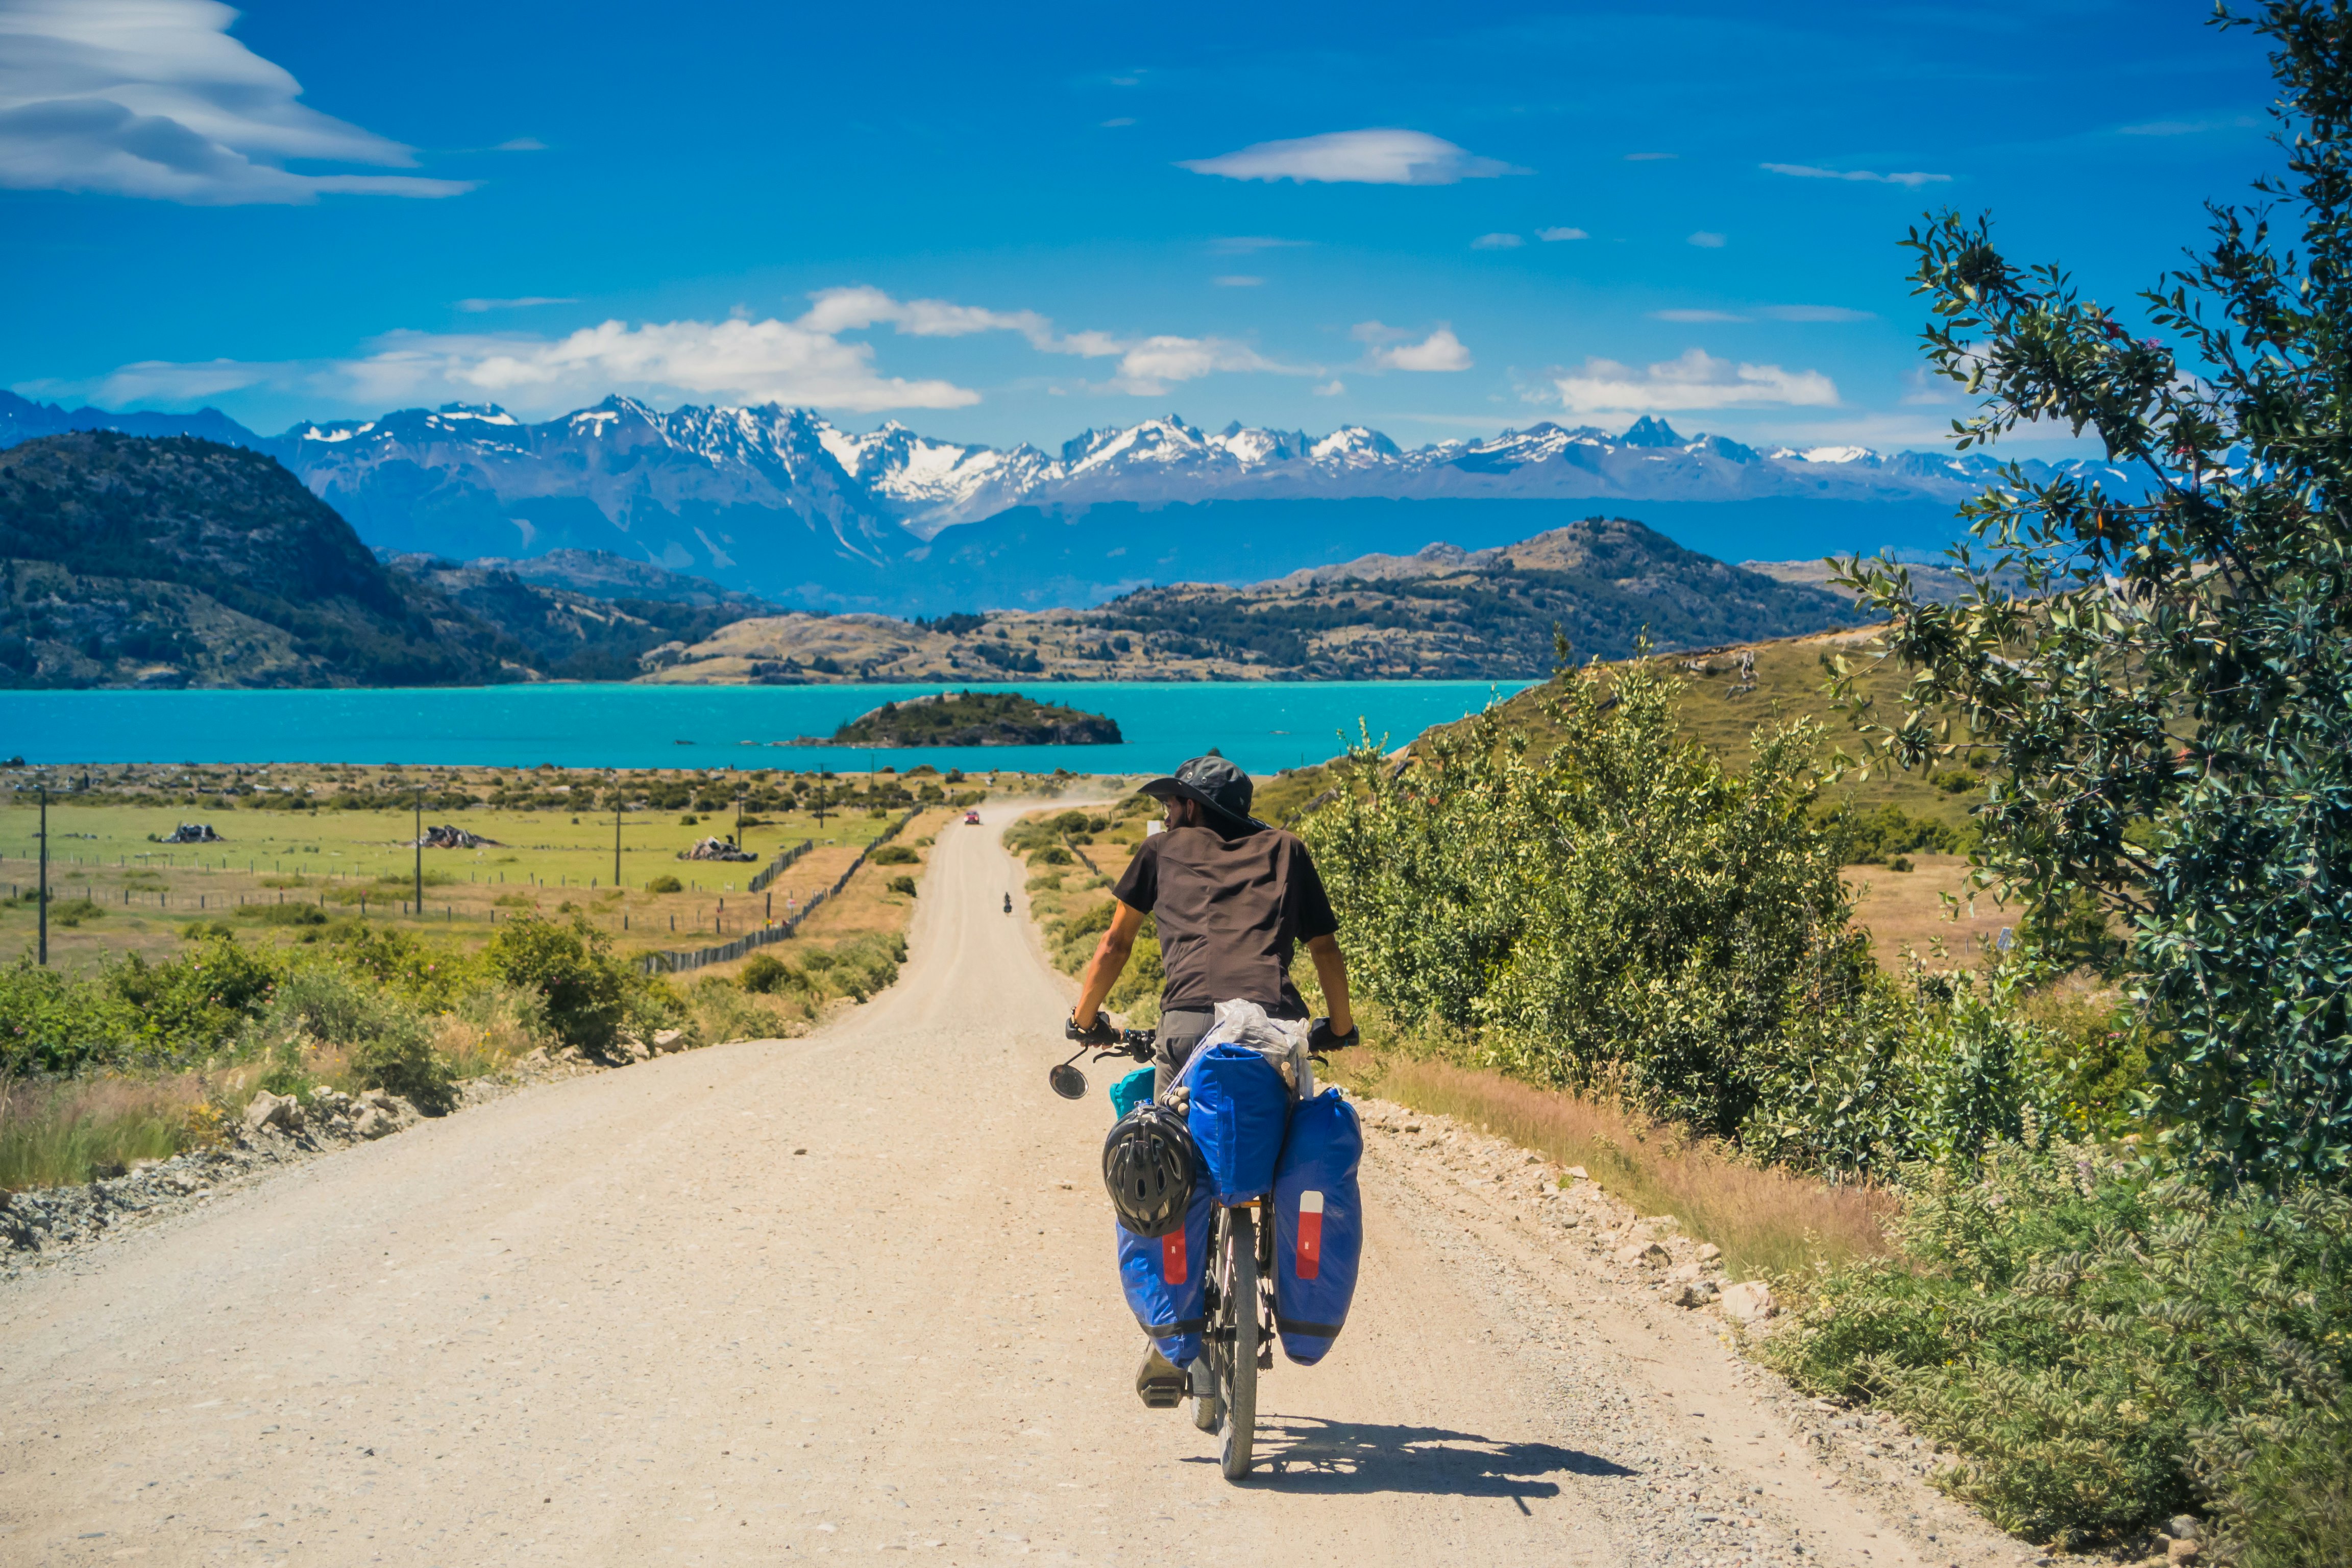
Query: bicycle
[1236, 1344]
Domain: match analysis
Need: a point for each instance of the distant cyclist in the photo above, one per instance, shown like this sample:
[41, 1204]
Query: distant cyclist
[1008, 903]
[1233, 898]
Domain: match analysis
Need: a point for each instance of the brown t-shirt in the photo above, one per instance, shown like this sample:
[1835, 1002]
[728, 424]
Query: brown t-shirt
[1230, 910]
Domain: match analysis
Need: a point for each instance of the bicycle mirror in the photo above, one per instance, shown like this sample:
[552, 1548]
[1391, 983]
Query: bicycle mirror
[1067, 1081]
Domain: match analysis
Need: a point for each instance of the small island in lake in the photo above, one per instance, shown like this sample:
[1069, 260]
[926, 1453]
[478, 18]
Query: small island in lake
[973, 719]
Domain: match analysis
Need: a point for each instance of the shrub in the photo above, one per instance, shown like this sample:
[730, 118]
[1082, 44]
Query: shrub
[2104, 1347]
[665, 884]
[763, 972]
[291, 915]
[903, 885]
[894, 855]
[1051, 855]
[1626, 911]
[402, 1061]
[572, 968]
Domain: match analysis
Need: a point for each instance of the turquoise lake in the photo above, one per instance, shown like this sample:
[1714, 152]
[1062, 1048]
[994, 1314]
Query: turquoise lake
[1264, 726]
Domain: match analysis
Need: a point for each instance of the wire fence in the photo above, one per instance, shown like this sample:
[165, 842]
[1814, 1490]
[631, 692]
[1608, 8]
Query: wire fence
[680, 961]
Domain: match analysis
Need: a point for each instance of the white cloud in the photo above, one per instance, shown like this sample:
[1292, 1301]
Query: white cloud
[1147, 368]
[2187, 127]
[154, 98]
[1651, 157]
[806, 361]
[1706, 240]
[520, 302]
[1238, 280]
[1695, 316]
[1696, 381]
[1555, 233]
[1116, 123]
[1248, 244]
[1383, 157]
[521, 145]
[1497, 242]
[1914, 178]
[1814, 313]
[1332, 389]
[1388, 348]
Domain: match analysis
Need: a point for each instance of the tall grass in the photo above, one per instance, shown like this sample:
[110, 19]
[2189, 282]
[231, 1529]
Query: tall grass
[55, 1135]
[1765, 1220]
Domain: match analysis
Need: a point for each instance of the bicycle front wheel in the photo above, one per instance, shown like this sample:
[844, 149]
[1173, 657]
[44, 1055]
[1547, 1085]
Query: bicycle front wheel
[1240, 1308]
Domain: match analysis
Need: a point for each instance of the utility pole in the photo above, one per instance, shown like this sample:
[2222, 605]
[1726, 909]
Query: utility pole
[739, 818]
[617, 831]
[42, 892]
[420, 851]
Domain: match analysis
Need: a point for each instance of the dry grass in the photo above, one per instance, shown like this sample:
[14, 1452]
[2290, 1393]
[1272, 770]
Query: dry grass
[1766, 1221]
[1905, 912]
[57, 1134]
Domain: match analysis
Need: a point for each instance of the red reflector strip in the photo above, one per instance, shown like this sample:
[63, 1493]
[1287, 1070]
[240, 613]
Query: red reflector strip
[1310, 1235]
[1172, 1257]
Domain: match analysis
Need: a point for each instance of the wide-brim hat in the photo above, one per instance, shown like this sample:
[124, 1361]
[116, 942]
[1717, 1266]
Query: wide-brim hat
[1221, 788]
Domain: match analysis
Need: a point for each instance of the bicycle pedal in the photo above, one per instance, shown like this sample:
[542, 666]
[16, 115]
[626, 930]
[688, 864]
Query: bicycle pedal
[1161, 1384]
[1265, 1355]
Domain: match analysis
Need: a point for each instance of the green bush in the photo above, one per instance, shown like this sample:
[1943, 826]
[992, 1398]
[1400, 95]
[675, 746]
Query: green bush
[665, 884]
[2105, 1348]
[894, 855]
[1051, 855]
[402, 1061]
[903, 885]
[291, 915]
[1625, 911]
[570, 965]
[763, 972]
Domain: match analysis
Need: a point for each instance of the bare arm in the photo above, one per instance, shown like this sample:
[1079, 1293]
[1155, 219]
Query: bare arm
[1331, 974]
[1110, 958]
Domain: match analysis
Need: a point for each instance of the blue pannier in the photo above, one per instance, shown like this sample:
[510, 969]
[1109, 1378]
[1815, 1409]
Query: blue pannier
[1240, 1110]
[1164, 1278]
[1318, 1225]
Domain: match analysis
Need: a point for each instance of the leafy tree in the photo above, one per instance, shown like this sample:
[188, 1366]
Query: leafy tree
[570, 965]
[2168, 699]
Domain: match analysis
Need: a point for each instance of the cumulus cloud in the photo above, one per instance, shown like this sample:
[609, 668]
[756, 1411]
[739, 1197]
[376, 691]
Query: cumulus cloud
[1391, 348]
[1696, 381]
[803, 361]
[1332, 389]
[154, 98]
[1381, 157]
[1707, 240]
[1912, 177]
[1497, 242]
[1149, 368]
[1557, 233]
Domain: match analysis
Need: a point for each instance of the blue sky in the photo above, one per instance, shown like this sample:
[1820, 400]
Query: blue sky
[1009, 226]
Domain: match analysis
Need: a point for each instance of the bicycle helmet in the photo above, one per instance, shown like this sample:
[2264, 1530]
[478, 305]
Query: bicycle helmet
[1149, 1162]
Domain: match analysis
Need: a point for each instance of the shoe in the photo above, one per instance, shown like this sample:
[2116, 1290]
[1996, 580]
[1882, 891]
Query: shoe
[1159, 1382]
[1208, 1409]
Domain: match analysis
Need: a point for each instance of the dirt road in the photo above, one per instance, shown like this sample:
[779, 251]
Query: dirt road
[843, 1294]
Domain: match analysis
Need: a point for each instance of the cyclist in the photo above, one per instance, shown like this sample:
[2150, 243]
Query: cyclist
[1008, 903]
[1233, 897]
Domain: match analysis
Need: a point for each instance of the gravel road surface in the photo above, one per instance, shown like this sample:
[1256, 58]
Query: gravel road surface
[853, 1293]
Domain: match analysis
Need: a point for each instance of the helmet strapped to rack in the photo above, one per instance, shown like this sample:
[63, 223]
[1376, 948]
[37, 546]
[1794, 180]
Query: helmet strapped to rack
[1149, 1162]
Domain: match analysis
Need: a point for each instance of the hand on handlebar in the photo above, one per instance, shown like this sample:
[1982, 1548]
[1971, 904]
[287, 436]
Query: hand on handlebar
[1100, 1034]
[1321, 1037]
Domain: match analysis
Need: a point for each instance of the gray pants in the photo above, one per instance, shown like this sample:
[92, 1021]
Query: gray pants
[1180, 1033]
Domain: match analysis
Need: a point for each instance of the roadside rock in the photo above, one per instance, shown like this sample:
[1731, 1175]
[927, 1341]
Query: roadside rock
[283, 1112]
[1749, 1301]
[668, 1040]
[1695, 1293]
[1646, 1253]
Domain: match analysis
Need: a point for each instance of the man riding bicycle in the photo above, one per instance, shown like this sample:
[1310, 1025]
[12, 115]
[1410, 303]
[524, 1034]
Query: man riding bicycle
[1233, 898]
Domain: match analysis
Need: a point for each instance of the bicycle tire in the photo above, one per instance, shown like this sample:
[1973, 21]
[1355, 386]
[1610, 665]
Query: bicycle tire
[1241, 1306]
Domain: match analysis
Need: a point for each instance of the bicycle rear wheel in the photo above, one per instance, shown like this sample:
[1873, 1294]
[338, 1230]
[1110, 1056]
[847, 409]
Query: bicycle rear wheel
[1241, 1309]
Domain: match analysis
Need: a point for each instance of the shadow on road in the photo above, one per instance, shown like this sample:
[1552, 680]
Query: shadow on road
[1302, 1454]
